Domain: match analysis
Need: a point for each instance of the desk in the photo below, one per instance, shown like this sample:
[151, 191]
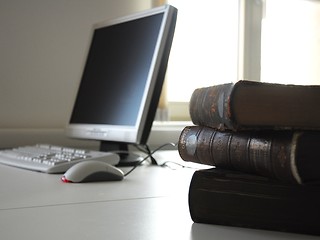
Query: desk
[151, 203]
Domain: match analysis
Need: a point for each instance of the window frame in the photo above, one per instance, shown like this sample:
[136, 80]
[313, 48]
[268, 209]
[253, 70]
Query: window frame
[249, 53]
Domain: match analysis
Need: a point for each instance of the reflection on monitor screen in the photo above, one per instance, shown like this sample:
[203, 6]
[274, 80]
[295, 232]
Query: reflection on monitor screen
[122, 79]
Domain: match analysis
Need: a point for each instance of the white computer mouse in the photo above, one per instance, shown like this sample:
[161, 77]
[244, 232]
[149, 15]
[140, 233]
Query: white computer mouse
[92, 171]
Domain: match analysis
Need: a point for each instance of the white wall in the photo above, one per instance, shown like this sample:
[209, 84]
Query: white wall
[42, 51]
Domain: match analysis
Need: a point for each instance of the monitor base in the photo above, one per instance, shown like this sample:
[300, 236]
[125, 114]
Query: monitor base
[127, 158]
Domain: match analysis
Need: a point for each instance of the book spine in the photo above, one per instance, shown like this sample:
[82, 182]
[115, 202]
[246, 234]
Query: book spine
[211, 107]
[265, 153]
[232, 198]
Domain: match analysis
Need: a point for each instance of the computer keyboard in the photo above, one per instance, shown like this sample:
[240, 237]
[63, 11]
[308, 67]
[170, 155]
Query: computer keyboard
[52, 159]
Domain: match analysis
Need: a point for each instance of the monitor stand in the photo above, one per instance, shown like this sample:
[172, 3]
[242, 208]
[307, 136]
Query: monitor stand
[127, 158]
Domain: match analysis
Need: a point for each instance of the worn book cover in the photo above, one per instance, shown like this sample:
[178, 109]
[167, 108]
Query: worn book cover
[289, 156]
[256, 105]
[223, 197]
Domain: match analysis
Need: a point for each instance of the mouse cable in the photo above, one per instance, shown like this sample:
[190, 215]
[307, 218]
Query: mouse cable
[146, 149]
[164, 164]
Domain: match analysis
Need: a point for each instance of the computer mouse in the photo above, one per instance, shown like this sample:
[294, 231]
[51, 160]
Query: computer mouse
[92, 171]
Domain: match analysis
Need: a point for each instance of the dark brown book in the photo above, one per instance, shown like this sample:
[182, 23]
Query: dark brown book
[223, 197]
[289, 156]
[250, 105]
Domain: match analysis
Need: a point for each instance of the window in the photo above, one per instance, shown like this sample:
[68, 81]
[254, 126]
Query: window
[205, 47]
[290, 46]
[204, 52]
[222, 41]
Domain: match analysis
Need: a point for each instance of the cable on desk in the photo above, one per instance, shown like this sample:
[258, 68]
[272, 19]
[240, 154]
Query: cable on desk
[146, 149]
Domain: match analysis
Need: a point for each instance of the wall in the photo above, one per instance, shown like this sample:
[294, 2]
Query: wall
[43, 48]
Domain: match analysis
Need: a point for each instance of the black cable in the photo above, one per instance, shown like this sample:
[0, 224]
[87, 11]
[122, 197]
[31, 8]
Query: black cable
[149, 153]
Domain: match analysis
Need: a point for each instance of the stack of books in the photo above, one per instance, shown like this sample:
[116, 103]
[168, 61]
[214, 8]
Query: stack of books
[263, 141]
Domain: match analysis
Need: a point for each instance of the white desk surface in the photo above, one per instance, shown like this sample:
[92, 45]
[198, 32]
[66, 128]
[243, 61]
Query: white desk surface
[151, 203]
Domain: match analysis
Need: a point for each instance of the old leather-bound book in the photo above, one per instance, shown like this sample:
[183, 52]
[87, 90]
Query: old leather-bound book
[289, 156]
[252, 105]
[218, 196]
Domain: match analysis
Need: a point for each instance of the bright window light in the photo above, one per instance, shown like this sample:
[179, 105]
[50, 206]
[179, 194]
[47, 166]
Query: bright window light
[290, 51]
[205, 47]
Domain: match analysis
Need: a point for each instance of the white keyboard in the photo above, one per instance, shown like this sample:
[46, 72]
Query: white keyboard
[52, 159]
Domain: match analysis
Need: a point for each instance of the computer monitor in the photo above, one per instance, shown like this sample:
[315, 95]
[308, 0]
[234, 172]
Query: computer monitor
[122, 80]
